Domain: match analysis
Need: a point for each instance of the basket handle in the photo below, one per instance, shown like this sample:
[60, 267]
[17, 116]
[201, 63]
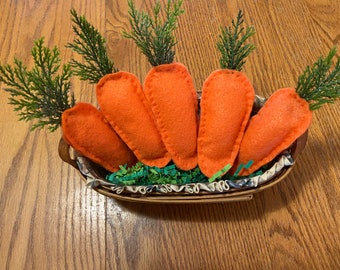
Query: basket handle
[64, 153]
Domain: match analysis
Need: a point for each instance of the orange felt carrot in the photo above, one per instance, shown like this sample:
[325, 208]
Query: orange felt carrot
[124, 105]
[287, 114]
[171, 93]
[87, 131]
[284, 117]
[227, 100]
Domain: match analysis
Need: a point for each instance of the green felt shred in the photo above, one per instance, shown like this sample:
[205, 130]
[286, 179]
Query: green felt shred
[220, 173]
[141, 174]
[249, 163]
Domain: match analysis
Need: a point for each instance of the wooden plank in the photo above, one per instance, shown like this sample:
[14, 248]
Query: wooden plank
[50, 220]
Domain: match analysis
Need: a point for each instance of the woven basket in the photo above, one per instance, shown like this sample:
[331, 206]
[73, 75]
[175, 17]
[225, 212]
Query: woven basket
[223, 191]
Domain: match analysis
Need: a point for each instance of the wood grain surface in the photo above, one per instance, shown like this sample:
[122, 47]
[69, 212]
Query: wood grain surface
[50, 220]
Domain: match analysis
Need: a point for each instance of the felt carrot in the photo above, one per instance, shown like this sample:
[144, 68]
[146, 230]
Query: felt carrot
[287, 114]
[168, 86]
[124, 105]
[170, 90]
[227, 100]
[283, 118]
[87, 131]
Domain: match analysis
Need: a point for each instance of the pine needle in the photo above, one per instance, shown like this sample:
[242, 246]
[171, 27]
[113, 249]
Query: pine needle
[232, 44]
[154, 37]
[40, 94]
[318, 84]
[91, 45]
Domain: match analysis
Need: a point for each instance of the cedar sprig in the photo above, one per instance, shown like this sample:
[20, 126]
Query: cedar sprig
[42, 93]
[232, 44]
[151, 34]
[318, 84]
[90, 44]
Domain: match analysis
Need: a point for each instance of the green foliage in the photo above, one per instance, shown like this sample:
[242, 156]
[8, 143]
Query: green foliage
[153, 36]
[91, 45]
[317, 84]
[40, 94]
[232, 44]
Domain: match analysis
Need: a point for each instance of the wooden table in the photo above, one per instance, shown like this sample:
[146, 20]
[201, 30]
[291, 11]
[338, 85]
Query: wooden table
[50, 220]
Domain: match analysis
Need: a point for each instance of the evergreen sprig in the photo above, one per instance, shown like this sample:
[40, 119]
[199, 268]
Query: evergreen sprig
[40, 94]
[318, 84]
[90, 44]
[153, 36]
[232, 44]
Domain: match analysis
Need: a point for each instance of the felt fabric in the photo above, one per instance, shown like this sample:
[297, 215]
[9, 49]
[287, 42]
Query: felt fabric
[87, 131]
[170, 90]
[226, 104]
[124, 105]
[283, 118]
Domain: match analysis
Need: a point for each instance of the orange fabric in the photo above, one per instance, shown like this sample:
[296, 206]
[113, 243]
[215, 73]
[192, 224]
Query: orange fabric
[87, 131]
[170, 90]
[283, 118]
[227, 100]
[124, 105]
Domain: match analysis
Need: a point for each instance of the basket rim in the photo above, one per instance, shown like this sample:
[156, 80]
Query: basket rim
[69, 155]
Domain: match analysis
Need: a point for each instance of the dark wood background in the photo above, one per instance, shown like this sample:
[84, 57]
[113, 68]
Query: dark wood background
[50, 220]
